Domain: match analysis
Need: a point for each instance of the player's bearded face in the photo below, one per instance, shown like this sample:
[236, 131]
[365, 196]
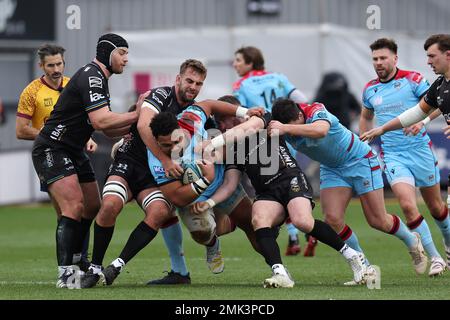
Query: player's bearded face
[189, 85]
[53, 66]
[384, 62]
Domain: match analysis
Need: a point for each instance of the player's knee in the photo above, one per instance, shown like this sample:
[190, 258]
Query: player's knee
[436, 207]
[378, 224]
[333, 221]
[259, 220]
[303, 222]
[408, 207]
[109, 210]
[203, 237]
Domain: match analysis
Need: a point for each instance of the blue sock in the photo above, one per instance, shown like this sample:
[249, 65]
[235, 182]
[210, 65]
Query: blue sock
[401, 231]
[351, 239]
[444, 225]
[173, 237]
[292, 231]
[421, 227]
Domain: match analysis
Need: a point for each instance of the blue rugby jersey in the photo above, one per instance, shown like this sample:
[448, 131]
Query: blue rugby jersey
[259, 88]
[339, 147]
[389, 99]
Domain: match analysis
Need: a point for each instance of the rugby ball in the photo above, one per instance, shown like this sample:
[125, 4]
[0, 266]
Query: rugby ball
[191, 172]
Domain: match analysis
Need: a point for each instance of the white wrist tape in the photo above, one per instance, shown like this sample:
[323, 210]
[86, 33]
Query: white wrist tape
[218, 142]
[211, 202]
[241, 112]
[426, 121]
[412, 116]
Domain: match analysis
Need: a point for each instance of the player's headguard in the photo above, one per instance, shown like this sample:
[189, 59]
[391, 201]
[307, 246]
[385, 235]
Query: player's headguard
[106, 45]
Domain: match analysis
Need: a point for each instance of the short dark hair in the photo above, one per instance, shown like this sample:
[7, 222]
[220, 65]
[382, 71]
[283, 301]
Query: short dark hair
[252, 55]
[49, 50]
[194, 64]
[443, 41]
[163, 124]
[230, 99]
[285, 110]
[384, 43]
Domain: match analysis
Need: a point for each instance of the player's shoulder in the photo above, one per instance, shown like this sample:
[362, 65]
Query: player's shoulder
[371, 83]
[160, 93]
[413, 76]
[90, 70]
[33, 86]
[65, 81]
[250, 76]
[437, 83]
[310, 109]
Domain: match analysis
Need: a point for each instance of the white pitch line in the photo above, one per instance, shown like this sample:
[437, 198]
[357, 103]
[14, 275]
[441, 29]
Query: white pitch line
[26, 282]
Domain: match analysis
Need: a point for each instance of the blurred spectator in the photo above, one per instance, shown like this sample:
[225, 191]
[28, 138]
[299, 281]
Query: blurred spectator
[334, 94]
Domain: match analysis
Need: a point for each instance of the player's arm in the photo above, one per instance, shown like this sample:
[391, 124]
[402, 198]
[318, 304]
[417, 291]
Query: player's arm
[228, 109]
[237, 133]
[25, 112]
[104, 119]
[415, 114]
[24, 130]
[316, 130]
[230, 183]
[182, 195]
[117, 132]
[297, 96]
[149, 108]
[415, 128]
[96, 104]
[365, 120]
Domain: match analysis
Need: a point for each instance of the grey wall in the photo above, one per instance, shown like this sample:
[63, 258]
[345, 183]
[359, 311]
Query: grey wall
[99, 16]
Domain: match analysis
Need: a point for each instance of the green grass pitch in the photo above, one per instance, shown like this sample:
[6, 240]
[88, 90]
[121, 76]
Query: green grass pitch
[28, 264]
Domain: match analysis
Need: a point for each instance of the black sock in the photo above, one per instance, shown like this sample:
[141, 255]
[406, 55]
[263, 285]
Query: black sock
[85, 226]
[67, 233]
[324, 233]
[139, 238]
[102, 238]
[265, 237]
[85, 248]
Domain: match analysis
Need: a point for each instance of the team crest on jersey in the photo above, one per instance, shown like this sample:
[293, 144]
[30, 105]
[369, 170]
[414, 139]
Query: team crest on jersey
[439, 101]
[321, 115]
[294, 185]
[397, 85]
[48, 102]
[378, 100]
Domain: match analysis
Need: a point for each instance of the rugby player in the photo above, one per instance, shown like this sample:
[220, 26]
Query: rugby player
[408, 160]
[437, 47]
[282, 190]
[58, 155]
[257, 87]
[35, 105]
